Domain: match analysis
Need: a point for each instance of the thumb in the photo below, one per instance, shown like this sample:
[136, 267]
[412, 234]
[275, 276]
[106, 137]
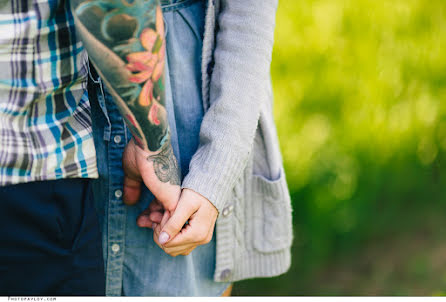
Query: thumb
[176, 222]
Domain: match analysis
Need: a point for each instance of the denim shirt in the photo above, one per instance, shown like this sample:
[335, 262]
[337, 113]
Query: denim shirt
[237, 166]
[134, 264]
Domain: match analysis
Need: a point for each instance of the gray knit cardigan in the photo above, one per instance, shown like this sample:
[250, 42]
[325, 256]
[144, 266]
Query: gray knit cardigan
[238, 165]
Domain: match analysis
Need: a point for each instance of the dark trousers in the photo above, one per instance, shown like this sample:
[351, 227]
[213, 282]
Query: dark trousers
[50, 241]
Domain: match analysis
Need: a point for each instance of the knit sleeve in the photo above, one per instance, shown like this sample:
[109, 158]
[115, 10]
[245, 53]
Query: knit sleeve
[242, 59]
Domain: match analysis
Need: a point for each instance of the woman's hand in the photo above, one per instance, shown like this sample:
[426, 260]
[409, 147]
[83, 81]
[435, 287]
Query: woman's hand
[175, 236]
[168, 213]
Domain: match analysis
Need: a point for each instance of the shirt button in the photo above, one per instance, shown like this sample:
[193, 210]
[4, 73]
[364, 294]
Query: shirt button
[228, 210]
[118, 193]
[115, 248]
[224, 276]
[117, 139]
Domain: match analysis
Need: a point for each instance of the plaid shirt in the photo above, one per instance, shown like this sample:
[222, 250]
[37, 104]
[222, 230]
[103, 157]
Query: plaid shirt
[45, 123]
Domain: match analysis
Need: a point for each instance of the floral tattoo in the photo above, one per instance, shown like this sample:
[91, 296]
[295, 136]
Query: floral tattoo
[126, 43]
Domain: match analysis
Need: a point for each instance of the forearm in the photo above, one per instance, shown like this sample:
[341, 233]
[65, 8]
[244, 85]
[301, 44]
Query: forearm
[125, 42]
[238, 88]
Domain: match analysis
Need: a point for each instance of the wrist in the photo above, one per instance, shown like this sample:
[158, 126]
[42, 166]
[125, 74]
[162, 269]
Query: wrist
[193, 195]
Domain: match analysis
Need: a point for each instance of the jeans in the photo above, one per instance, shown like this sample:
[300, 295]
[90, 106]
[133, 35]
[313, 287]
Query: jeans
[135, 265]
[50, 242]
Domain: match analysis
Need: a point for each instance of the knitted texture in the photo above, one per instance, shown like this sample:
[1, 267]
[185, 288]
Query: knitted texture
[254, 229]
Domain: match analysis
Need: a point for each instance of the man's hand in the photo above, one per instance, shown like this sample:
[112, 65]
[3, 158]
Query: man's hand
[152, 216]
[176, 237]
[141, 166]
[127, 48]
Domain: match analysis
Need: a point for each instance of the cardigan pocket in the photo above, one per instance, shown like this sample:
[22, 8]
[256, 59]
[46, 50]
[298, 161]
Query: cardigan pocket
[272, 214]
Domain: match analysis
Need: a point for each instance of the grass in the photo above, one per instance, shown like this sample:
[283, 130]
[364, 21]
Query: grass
[359, 105]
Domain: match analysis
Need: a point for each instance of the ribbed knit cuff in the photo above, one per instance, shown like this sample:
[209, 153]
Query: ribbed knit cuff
[214, 172]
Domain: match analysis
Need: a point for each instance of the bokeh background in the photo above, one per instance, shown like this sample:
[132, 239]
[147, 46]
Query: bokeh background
[360, 90]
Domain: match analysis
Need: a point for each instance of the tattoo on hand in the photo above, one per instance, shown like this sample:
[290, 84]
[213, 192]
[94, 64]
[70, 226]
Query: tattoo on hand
[165, 165]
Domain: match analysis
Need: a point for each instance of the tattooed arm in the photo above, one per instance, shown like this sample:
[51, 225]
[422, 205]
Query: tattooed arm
[125, 42]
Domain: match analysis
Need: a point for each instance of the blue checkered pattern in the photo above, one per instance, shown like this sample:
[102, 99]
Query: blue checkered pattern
[45, 123]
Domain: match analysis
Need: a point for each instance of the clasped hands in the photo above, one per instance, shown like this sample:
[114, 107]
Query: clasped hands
[181, 219]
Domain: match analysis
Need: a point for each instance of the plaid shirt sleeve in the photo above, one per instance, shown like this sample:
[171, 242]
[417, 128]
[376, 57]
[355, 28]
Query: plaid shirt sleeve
[45, 123]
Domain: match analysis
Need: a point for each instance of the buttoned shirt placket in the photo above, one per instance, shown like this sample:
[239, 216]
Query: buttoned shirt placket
[117, 137]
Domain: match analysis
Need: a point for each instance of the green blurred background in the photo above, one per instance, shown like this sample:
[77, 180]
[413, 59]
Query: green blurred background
[359, 104]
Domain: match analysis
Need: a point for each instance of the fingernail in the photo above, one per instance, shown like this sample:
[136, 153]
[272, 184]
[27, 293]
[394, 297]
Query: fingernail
[164, 237]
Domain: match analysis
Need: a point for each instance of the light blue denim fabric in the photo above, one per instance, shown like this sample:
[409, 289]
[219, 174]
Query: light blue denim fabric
[135, 265]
